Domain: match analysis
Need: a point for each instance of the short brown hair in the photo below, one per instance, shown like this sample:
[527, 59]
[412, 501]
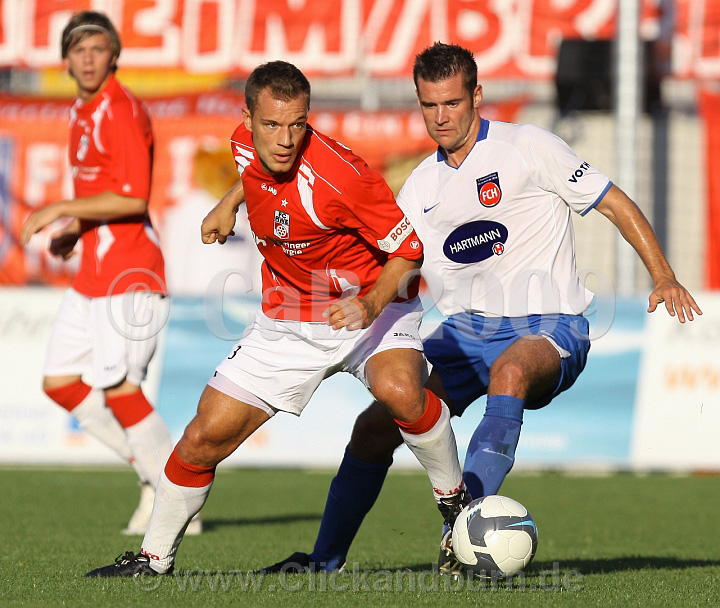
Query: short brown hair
[283, 79]
[442, 61]
[87, 23]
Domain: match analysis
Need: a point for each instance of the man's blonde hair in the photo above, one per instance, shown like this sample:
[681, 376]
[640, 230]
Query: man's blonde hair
[87, 23]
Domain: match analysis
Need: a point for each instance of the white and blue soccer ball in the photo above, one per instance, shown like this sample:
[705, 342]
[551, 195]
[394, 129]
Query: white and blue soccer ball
[494, 536]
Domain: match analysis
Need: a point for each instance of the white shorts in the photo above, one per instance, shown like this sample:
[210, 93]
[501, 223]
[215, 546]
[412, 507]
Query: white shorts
[108, 339]
[283, 362]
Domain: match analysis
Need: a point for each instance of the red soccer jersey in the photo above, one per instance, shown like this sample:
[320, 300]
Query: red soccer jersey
[111, 148]
[325, 229]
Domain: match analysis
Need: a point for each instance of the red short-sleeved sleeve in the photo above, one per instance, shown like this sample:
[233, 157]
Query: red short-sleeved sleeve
[370, 208]
[128, 134]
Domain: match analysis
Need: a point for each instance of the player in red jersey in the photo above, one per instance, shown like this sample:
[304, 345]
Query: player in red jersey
[109, 319]
[307, 228]
[337, 251]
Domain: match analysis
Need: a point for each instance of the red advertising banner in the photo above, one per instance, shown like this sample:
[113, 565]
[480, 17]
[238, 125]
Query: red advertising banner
[710, 108]
[34, 168]
[517, 39]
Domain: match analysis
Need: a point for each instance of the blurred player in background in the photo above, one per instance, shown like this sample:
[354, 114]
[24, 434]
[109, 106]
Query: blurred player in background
[492, 209]
[109, 319]
[340, 294]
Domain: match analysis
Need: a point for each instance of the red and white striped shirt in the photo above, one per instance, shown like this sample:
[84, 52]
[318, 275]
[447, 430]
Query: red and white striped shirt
[325, 229]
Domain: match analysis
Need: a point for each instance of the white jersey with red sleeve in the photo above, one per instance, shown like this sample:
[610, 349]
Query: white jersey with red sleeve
[111, 149]
[325, 229]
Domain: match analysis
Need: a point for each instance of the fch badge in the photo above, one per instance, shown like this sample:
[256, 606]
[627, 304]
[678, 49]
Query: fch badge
[489, 191]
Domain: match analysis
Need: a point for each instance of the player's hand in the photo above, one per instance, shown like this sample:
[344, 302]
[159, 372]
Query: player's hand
[38, 220]
[218, 224]
[353, 314]
[62, 244]
[677, 300]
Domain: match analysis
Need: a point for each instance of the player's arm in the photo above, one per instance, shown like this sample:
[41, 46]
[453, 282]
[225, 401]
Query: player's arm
[219, 223]
[636, 230]
[358, 313]
[107, 205]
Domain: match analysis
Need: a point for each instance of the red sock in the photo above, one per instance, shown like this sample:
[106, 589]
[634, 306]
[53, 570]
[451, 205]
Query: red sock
[188, 475]
[129, 409]
[430, 416]
[69, 396]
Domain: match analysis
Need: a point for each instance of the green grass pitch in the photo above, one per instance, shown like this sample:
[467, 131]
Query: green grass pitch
[620, 540]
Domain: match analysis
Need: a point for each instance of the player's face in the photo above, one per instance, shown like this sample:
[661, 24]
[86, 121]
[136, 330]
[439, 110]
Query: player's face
[278, 128]
[90, 63]
[450, 113]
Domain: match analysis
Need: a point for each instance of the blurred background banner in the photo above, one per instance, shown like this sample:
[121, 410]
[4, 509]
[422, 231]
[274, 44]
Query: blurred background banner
[35, 171]
[348, 37]
[711, 114]
[678, 401]
[549, 63]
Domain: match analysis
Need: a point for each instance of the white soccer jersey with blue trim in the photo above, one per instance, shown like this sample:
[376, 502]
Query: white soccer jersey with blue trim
[497, 230]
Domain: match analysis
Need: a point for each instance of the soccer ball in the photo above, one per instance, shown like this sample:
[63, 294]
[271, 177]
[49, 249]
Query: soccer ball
[494, 536]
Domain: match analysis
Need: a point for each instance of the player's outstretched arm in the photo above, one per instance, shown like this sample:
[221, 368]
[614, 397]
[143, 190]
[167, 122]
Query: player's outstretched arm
[359, 313]
[636, 230]
[219, 223]
[104, 206]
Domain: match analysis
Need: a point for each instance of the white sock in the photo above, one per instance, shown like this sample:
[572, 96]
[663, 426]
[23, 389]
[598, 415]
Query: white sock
[150, 445]
[174, 507]
[96, 419]
[437, 452]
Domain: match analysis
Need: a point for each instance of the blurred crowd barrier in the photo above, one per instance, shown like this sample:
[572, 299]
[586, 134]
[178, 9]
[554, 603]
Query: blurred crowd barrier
[649, 398]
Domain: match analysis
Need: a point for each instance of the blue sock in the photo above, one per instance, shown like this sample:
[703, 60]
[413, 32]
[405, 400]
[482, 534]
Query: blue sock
[352, 494]
[491, 451]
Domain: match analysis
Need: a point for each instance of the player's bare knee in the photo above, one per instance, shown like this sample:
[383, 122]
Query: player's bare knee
[121, 389]
[508, 377]
[52, 382]
[190, 444]
[402, 395]
[200, 446]
[48, 384]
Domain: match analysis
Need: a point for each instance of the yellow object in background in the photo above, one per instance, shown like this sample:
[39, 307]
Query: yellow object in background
[55, 82]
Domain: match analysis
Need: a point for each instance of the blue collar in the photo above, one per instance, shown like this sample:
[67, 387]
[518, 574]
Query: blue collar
[482, 134]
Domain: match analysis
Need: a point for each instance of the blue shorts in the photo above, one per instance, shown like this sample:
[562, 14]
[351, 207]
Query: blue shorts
[464, 347]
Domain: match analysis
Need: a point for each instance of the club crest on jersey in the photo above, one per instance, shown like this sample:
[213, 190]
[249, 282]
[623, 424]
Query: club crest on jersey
[83, 147]
[475, 242]
[489, 191]
[281, 225]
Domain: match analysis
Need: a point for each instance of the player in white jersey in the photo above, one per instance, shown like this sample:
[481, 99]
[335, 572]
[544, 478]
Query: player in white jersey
[497, 231]
[492, 209]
